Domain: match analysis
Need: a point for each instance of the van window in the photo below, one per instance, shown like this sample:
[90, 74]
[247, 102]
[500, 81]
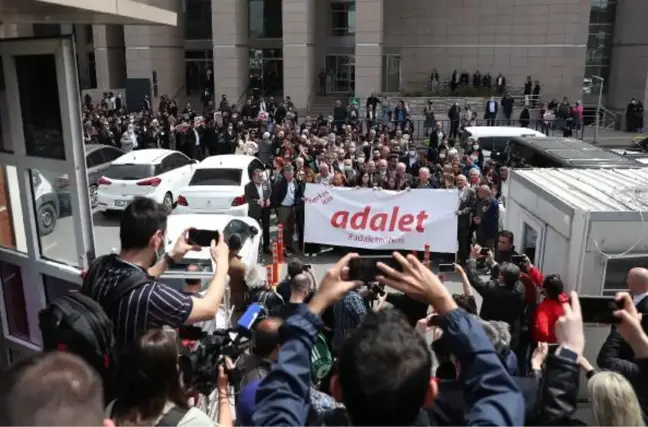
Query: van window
[524, 156]
[617, 269]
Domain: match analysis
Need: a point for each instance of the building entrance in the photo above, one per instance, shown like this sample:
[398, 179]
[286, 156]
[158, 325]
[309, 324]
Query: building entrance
[266, 71]
[340, 71]
[45, 227]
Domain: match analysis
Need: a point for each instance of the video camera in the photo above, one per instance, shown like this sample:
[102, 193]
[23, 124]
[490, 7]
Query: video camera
[199, 362]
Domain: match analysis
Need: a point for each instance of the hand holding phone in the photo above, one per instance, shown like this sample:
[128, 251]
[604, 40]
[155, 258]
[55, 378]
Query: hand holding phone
[202, 237]
[599, 309]
[446, 268]
[364, 268]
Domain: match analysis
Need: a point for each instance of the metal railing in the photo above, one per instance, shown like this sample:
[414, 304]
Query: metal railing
[243, 97]
[421, 129]
[311, 96]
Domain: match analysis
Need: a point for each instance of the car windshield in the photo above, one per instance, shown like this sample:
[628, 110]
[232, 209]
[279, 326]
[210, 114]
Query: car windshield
[128, 172]
[216, 177]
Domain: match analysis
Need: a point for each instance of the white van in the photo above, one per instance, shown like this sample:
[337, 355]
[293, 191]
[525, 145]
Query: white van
[493, 139]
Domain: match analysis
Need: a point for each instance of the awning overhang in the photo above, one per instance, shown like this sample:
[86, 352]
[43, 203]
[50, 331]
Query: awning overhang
[122, 12]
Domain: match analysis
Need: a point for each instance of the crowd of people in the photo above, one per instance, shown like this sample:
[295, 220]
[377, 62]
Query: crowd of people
[480, 369]
[331, 351]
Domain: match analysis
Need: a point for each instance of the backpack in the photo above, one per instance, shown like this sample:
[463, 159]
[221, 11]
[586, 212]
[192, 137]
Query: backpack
[82, 326]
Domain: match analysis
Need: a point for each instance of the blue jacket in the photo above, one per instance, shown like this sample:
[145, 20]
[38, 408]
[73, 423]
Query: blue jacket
[490, 393]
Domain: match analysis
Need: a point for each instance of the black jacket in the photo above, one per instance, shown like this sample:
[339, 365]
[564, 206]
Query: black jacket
[499, 302]
[281, 188]
[559, 394]
[449, 408]
[616, 354]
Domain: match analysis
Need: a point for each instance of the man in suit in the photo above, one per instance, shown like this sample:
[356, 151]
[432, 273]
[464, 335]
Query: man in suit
[286, 194]
[257, 196]
[616, 355]
[410, 159]
[467, 203]
[436, 139]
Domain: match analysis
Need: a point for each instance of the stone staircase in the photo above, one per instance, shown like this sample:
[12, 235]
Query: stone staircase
[323, 105]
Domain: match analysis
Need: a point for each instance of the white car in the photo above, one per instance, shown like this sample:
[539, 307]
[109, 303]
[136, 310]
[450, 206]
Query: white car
[155, 173]
[217, 186]
[246, 227]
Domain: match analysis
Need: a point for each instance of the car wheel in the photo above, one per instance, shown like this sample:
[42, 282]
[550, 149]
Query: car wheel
[168, 201]
[46, 219]
[92, 191]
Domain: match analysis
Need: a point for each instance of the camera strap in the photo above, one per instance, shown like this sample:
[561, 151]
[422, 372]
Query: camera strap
[172, 418]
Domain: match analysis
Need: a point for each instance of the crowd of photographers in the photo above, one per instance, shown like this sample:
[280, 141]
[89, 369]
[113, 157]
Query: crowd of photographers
[517, 363]
[395, 348]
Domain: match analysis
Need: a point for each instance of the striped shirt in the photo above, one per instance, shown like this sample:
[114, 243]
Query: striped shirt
[152, 305]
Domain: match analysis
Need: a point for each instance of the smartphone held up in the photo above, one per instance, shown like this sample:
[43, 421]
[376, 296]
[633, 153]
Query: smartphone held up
[202, 237]
[599, 309]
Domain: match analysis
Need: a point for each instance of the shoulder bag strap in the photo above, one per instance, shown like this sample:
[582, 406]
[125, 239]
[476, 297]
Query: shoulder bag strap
[122, 289]
[172, 417]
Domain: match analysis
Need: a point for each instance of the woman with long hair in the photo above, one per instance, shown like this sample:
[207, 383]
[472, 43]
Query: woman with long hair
[614, 401]
[151, 392]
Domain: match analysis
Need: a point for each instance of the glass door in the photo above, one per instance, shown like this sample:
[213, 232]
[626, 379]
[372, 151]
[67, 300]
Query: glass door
[391, 73]
[341, 68]
[532, 239]
[46, 229]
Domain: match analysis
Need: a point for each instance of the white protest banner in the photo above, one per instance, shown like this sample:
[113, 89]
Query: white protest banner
[381, 219]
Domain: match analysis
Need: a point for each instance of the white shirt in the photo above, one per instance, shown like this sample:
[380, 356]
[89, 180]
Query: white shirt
[197, 137]
[289, 200]
[636, 299]
[260, 191]
[491, 106]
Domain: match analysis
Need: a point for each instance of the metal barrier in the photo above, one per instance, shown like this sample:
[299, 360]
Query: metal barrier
[421, 129]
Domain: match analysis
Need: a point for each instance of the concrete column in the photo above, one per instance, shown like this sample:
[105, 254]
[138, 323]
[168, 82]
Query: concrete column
[299, 50]
[628, 76]
[230, 30]
[110, 56]
[159, 49]
[369, 47]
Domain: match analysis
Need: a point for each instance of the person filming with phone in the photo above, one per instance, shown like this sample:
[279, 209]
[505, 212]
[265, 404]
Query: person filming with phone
[142, 234]
[503, 298]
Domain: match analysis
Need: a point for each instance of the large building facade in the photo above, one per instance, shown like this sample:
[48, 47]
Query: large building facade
[365, 46]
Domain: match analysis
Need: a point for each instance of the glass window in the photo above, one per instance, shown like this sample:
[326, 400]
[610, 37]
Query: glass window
[343, 19]
[216, 177]
[603, 12]
[198, 20]
[597, 70]
[55, 288]
[40, 106]
[89, 35]
[94, 159]
[54, 221]
[92, 70]
[12, 232]
[14, 298]
[617, 269]
[265, 19]
[130, 172]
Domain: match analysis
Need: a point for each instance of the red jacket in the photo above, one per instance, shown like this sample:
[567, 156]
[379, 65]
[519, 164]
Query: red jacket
[546, 315]
[532, 280]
